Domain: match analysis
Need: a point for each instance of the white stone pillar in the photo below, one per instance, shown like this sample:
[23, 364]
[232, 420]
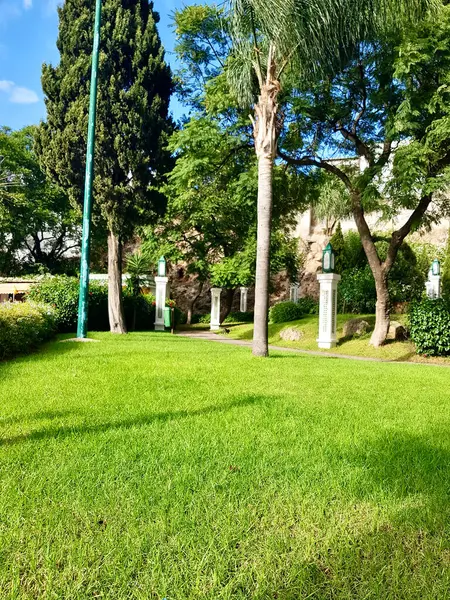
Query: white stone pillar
[435, 285]
[243, 303]
[293, 292]
[161, 291]
[328, 309]
[215, 308]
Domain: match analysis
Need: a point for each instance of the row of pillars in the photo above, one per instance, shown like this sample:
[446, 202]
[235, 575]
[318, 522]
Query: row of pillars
[215, 306]
[161, 295]
[328, 282]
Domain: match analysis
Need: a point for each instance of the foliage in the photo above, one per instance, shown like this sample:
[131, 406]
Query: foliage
[337, 242]
[285, 311]
[37, 223]
[308, 305]
[133, 122]
[330, 200]
[132, 110]
[429, 324]
[445, 270]
[204, 319]
[356, 291]
[62, 293]
[138, 265]
[210, 224]
[239, 317]
[23, 326]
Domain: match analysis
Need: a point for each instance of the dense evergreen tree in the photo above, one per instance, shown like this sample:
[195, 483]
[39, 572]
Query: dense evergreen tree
[132, 120]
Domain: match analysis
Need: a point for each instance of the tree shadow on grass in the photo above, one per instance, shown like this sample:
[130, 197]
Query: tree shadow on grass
[396, 545]
[139, 421]
[405, 552]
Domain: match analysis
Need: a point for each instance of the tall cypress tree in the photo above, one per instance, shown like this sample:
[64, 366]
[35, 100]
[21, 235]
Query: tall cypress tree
[134, 88]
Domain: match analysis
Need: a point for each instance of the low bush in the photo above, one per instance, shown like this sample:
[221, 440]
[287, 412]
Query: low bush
[429, 324]
[205, 319]
[285, 311]
[23, 326]
[308, 305]
[61, 292]
[239, 317]
[356, 292]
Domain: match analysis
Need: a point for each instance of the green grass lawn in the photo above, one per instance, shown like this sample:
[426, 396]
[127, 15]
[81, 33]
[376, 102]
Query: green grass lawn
[358, 346]
[150, 466]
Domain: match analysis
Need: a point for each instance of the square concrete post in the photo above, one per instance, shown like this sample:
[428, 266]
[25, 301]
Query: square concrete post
[328, 309]
[293, 292]
[243, 302]
[161, 291]
[215, 308]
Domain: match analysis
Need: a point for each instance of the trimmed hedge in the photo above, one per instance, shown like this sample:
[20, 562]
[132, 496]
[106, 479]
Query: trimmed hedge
[23, 326]
[284, 312]
[429, 323]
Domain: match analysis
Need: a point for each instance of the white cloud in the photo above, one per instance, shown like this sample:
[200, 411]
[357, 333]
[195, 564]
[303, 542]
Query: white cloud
[17, 94]
[6, 86]
[27, 4]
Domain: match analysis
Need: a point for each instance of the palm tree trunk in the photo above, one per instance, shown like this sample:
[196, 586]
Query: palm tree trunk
[260, 332]
[266, 129]
[115, 305]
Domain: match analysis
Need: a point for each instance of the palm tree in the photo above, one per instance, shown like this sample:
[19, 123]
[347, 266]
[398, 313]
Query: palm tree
[276, 38]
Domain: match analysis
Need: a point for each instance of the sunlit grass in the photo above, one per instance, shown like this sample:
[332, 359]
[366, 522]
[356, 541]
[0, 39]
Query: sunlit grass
[150, 466]
[357, 346]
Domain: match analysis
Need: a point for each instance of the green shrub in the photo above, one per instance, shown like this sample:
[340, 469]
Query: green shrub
[61, 292]
[429, 323]
[239, 317]
[308, 305]
[206, 319]
[356, 291]
[23, 326]
[285, 311]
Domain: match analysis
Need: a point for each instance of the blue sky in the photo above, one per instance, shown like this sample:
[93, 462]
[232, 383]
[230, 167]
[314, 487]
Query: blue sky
[28, 32]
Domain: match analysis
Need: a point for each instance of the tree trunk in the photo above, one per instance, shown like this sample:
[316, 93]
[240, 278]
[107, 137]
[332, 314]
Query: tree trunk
[267, 123]
[115, 305]
[191, 306]
[382, 318]
[228, 304]
[260, 332]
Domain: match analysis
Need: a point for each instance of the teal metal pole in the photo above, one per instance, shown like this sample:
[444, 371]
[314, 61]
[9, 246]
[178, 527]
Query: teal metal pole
[87, 205]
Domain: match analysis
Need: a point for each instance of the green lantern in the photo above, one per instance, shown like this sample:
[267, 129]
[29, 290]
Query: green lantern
[162, 267]
[328, 259]
[436, 267]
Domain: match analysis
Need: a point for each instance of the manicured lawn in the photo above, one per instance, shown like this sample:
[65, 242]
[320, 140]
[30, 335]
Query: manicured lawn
[309, 324]
[151, 467]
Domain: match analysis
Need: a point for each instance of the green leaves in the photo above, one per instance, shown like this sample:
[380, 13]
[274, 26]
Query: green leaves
[132, 111]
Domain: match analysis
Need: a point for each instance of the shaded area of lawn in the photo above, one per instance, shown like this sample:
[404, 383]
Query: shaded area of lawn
[151, 466]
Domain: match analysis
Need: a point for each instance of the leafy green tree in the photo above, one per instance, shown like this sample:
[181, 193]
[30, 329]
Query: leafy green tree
[210, 223]
[37, 223]
[273, 40]
[375, 108]
[132, 121]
